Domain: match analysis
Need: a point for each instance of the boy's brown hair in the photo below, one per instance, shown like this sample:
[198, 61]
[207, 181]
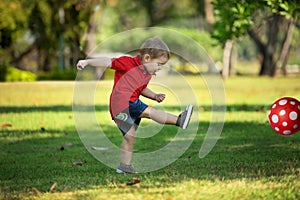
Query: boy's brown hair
[155, 47]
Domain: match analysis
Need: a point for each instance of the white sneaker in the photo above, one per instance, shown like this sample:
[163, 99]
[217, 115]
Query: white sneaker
[123, 168]
[184, 118]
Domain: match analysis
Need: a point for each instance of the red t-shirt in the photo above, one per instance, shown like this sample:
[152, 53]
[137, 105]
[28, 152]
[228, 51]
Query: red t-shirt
[130, 80]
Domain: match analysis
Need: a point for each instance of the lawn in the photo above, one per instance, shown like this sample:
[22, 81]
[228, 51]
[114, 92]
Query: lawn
[40, 146]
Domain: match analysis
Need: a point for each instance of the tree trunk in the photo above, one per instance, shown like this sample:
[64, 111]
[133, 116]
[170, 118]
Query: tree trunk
[285, 49]
[270, 50]
[285, 62]
[209, 12]
[90, 39]
[267, 51]
[28, 51]
[149, 6]
[227, 55]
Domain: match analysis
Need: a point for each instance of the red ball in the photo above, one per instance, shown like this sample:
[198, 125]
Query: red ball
[284, 116]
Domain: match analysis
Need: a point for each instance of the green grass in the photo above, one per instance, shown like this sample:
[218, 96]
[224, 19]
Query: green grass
[249, 161]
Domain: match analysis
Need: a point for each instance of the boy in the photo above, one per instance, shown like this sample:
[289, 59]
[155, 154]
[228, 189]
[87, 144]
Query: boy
[132, 75]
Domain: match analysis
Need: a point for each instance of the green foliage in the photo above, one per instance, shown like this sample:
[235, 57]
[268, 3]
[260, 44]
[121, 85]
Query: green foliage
[3, 71]
[205, 40]
[14, 74]
[4, 63]
[127, 43]
[38, 23]
[58, 75]
[33, 27]
[287, 8]
[13, 21]
[234, 18]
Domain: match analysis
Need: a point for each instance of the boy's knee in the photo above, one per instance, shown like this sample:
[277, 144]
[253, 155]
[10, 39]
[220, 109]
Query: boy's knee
[130, 135]
[129, 139]
[146, 112]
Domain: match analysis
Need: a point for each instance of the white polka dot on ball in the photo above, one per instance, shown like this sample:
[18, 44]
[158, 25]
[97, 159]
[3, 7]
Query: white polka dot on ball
[282, 102]
[295, 126]
[292, 103]
[282, 112]
[274, 105]
[284, 123]
[293, 115]
[275, 118]
[277, 129]
[287, 132]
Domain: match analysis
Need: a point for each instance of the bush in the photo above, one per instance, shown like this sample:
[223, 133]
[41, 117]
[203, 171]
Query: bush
[58, 75]
[14, 74]
[3, 71]
[4, 62]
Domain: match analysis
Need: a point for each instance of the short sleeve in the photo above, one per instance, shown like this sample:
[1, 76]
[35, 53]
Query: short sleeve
[123, 63]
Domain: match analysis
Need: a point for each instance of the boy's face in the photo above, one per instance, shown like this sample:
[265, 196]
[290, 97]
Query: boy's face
[153, 65]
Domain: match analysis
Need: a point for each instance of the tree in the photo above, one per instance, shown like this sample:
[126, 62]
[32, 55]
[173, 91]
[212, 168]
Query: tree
[204, 13]
[233, 21]
[12, 24]
[42, 24]
[57, 24]
[262, 21]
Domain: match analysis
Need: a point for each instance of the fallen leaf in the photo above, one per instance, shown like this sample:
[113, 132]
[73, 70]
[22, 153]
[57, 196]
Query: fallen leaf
[201, 109]
[99, 148]
[188, 158]
[36, 191]
[170, 198]
[6, 125]
[53, 187]
[135, 181]
[79, 163]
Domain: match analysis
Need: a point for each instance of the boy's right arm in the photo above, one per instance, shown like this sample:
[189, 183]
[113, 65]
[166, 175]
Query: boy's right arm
[95, 62]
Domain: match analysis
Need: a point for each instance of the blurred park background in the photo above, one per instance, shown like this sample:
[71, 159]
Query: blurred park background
[256, 48]
[43, 40]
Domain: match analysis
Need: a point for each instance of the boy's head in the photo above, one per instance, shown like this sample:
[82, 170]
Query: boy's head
[155, 47]
[154, 53]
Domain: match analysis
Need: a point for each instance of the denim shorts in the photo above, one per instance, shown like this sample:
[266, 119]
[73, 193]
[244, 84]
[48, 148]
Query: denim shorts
[130, 116]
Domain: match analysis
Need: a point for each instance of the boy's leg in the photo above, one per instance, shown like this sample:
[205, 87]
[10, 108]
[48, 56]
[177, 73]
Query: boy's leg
[127, 146]
[166, 118]
[126, 152]
[159, 116]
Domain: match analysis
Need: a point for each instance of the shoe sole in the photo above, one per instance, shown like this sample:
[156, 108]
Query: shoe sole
[189, 110]
[122, 172]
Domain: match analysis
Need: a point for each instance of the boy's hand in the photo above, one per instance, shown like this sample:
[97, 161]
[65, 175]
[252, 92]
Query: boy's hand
[160, 97]
[81, 64]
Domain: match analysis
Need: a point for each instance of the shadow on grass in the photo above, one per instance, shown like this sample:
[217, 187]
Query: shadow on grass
[250, 150]
[66, 108]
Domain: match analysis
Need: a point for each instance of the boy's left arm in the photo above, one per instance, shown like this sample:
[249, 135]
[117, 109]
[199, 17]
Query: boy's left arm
[152, 95]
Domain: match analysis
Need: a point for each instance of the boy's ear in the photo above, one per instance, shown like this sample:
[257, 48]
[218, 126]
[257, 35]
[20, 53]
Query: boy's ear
[147, 57]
